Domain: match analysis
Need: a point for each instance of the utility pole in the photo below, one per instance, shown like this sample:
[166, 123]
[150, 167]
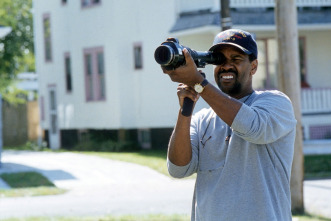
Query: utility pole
[289, 83]
[225, 15]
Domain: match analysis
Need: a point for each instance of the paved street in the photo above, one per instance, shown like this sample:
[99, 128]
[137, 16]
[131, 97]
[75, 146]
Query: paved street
[100, 186]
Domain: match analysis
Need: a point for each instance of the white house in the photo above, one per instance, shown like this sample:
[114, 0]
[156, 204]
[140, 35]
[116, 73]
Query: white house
[96, 67]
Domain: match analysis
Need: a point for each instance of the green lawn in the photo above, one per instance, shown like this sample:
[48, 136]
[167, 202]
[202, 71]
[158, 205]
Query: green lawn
[28, 184]
[317, 166]
[155, 159]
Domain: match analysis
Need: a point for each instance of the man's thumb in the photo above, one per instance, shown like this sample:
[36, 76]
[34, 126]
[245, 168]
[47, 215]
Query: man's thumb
[188, 57]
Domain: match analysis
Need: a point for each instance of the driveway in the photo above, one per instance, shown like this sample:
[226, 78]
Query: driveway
[99, 186]
[96, 186]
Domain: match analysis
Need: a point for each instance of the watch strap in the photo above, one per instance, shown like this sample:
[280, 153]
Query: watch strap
[204, 83]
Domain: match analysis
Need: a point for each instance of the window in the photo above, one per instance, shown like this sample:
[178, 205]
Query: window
[87, 3]
[302, 54]
[138, 60]
[42, 108]
[47, 38]
[94, 74]
[266, 75]
[101, 74]
[68, 75]
[52, 100]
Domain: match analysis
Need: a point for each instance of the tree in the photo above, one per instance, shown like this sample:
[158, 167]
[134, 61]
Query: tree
[16, 49]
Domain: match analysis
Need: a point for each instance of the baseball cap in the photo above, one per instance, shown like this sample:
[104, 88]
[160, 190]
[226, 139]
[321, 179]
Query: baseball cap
[238, 38]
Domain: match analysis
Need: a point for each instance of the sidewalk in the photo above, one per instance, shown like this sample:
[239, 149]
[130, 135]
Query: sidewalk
[100, 186]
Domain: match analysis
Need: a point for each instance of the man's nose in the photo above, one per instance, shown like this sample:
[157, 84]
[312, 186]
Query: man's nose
[226, 65]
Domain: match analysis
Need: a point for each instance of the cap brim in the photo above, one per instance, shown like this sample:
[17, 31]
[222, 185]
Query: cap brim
[220, 45]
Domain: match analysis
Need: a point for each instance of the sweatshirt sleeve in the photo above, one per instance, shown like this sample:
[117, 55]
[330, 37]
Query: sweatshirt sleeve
[269, 118]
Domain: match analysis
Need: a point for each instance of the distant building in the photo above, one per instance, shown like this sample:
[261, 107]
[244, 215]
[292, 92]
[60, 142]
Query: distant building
[28, 81]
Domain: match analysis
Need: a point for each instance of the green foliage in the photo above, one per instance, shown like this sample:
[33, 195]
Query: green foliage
[11, 93]
[29, 145]
[25, 179]
[17, 48]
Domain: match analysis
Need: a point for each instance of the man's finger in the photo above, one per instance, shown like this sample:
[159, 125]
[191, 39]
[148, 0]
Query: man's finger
[188, 57]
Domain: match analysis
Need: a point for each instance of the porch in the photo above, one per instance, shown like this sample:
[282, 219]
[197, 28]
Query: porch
[214, 5]
[316, 120]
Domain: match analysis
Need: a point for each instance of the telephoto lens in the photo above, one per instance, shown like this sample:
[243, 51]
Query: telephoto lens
[170, 55]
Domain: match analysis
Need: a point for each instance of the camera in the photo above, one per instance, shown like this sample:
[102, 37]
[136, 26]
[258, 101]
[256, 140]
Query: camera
[170, 55]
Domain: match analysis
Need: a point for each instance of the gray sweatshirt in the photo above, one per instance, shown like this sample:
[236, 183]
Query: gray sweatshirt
[243, 172]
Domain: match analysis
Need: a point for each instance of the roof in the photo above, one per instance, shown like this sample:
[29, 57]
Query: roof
[257, 16]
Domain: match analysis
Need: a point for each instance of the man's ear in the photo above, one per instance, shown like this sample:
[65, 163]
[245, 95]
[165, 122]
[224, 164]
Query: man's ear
[254, 65]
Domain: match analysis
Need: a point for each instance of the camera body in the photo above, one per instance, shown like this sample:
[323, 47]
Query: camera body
[170, 55]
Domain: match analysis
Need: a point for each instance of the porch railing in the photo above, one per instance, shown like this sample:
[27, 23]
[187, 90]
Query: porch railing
[214, 5]
[316, 101]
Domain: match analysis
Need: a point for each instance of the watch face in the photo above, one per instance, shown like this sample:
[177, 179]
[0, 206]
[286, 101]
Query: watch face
[198, 88]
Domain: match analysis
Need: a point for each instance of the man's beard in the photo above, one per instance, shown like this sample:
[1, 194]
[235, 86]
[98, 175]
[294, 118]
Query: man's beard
[236, 88]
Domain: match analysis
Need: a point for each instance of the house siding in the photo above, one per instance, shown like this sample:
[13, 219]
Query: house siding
[143, 98]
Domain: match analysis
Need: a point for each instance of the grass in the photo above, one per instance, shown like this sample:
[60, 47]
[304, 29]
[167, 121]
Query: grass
[317, 166]
[28, 184]
[151, 217]
[25, 179]
[155, 159]
[33, 191]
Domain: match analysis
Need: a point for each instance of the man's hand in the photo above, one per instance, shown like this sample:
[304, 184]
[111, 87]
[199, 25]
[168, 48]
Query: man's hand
[187, 74]
[186, 91]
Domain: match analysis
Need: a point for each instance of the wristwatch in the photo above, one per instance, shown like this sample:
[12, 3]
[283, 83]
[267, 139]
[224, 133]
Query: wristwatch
[200, 87]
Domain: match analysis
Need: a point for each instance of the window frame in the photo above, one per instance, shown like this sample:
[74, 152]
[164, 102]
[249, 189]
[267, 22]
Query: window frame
[66, 56]
[138, 63]
[89, 3]
[95, 83]
[48, 55]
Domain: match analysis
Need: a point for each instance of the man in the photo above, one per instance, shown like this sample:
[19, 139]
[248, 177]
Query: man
[242, 146]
